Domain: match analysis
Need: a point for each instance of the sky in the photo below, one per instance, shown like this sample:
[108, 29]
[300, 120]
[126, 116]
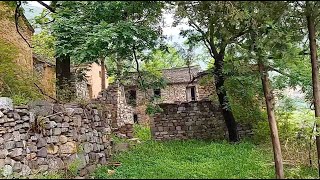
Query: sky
[168, 30]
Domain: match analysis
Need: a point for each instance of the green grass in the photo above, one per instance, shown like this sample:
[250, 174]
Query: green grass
[142, 132]
[196, 159]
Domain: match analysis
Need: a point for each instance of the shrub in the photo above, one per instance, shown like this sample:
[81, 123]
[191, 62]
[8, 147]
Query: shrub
[141, 132]
[16, 82]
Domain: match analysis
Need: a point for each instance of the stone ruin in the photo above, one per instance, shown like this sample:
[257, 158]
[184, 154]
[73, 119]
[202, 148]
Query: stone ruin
[43, 136]
[192, 120]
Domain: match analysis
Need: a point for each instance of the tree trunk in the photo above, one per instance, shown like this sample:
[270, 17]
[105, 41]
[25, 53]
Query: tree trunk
[103, 75]
[315, 78]
[272, 122]
[223, 99]
[63, 74]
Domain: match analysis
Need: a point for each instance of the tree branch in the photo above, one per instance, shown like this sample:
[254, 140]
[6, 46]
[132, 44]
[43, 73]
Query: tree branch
[47, 6]
[16, 19]
[45, 93]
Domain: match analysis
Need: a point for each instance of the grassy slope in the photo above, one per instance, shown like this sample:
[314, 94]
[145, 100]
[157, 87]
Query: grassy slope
[196, 159]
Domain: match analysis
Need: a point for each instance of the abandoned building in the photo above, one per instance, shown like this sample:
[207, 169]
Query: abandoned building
[46, 70]
[89, 80]
[178, 89]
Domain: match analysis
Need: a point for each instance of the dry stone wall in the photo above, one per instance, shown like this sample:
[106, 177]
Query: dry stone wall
[47, 137]
[191, 120]
[120, 113]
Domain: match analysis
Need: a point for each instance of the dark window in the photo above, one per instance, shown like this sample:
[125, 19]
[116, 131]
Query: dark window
[135, 118]
[157, 92]
[193, 94]
[132, 97]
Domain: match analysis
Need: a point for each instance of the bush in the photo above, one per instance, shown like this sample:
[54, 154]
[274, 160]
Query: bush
[141, 132]
[16, 82]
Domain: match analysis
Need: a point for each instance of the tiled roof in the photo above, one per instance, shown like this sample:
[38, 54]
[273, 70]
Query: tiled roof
[180, 75]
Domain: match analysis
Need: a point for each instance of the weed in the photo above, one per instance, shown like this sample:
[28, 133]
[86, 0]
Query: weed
[141, 132]
[197, 159]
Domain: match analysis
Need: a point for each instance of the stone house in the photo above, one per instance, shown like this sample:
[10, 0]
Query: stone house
[88, 79]
[179, 89]
[46, 70]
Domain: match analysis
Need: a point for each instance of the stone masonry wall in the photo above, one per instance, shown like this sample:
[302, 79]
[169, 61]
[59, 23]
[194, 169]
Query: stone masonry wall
[191, 120]
[47, 137]
[121, 114]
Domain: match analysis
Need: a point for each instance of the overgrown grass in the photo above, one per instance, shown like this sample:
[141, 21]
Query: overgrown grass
[141, 132]
[16, 81]
[197, 159]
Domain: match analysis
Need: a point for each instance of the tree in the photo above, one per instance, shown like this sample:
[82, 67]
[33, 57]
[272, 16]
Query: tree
[160, 59]
[216, 25]
[311, 17]
[43, 44]
[93, 31]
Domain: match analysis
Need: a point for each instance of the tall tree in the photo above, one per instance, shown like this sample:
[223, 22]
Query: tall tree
[216, 25]
[311, 16]
[91, 30]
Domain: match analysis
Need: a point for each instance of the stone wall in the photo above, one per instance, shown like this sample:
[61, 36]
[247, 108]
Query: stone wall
[48, 137]
[47, 73]
[172, 93]
[121, 114]
[191, 120]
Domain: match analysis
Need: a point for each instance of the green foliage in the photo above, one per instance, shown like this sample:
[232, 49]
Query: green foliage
[194, 159]
[51, 175]
[142, 132]
[159, 59]
[16, 81]
[43, 44]
[88, 30]
[74, 167]
[153, 108]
